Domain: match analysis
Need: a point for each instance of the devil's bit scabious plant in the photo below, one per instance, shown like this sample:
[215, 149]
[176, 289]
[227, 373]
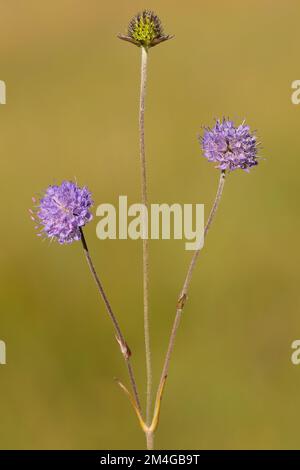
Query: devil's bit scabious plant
[64, 210]
[60, 215]
[145, 31]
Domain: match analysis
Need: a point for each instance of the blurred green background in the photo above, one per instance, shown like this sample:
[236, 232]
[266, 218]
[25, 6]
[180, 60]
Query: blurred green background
[72, 98]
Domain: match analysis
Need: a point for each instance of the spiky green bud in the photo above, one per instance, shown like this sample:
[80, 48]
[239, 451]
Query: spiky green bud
[145, 30]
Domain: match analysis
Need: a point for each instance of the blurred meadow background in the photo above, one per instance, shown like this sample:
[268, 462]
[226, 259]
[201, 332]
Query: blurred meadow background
[72, 100]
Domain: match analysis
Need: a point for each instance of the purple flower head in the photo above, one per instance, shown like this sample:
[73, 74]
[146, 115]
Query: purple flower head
[63, 210]
[229, 146]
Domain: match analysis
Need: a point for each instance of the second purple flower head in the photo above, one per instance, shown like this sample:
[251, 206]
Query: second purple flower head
[230, 146]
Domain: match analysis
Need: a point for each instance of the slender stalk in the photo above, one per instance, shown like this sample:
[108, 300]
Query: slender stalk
[150, 440]
[144, 61]
[119, 335]
[184, 291]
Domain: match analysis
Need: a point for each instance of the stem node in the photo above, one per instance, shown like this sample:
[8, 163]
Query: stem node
[181, 302]
[125, 350]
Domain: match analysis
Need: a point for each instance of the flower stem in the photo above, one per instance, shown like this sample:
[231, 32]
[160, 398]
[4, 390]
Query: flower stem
[144, 61]
[119, 335]
[184, 291]
[150, 440]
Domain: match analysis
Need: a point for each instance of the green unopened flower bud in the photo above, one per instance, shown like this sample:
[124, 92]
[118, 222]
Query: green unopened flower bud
[145, 30]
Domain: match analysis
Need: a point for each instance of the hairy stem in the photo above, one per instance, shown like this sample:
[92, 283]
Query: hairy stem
[144, 61]
[184, 291]
[119, 335]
